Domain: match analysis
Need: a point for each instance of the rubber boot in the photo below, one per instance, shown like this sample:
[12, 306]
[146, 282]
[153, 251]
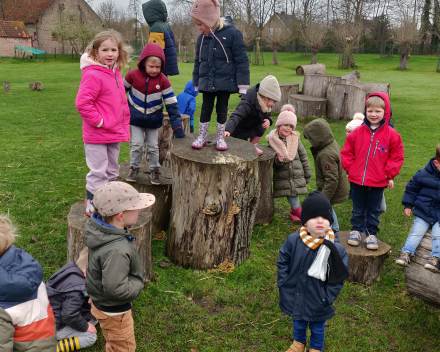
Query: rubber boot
[297, 347]
[255, 140]
[221, 144]
[203, 134]
[295, 214]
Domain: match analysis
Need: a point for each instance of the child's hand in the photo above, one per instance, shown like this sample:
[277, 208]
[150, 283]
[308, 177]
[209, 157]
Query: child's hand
[266, 124]
[391, 184]
[91, 328]
[407, 211]
[281, 158]
[227, 134]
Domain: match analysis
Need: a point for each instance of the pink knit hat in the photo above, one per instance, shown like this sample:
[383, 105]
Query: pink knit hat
[287, 116]
[206, 11]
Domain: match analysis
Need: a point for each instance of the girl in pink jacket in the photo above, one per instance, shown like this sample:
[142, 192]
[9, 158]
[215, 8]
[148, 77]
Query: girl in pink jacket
[102, 103]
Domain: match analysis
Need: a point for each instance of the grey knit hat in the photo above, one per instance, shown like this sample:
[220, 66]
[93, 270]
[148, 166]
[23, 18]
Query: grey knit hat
[270, 88]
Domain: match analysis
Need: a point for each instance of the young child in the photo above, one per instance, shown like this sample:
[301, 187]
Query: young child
[422, 194]
[102, 103]
[372, 156]
[148, 87]
[252, 117]
[331, 179]
[26, 318]
[114, 272]
[221, 66]
[311, 273]
[70, 304]
[358, 119]
[292, 169]
[187, 102]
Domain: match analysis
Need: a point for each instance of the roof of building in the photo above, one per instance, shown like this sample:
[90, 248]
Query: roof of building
[15, 29]
[27, 11]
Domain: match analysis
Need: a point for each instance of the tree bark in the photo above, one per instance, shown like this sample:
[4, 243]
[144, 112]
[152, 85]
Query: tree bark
[286, 90]
[6, 86]
[344, 100]
[314, 58]
[275, 56]
[77, 218]
[316, 85]
[215, 200]
[403, 61]
[306, 105]
[311, 69]
[352, 77]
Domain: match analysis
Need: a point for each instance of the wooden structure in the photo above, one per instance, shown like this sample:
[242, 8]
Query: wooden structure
[311, 69]
[77, 218]
[306, 105]
[344, 101]
[422, 283]
[365, 265]
[161, 208]
[215, 200]
[286, 90]
[6, 86]
[317, 85]
[266, 207]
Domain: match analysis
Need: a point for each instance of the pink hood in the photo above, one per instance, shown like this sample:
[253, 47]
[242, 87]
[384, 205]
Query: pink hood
[101, 97]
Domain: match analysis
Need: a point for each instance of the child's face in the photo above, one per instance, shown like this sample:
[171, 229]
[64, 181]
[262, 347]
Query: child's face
[317, 226]
[201, 27]
[108, 52]
[129, 217]
[375, 115]
[269, 102]
[153, 65]
[285, 130]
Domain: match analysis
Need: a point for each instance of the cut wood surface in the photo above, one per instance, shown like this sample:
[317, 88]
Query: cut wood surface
[316, 85]
[306, 105]
[311, 69]
[422, 283]
[352, 77]
[161, 208]
[286, 90]
[215, 200]
[365, 265]
[77, 218]
[344, 100]
[266, 207]
[374, 87]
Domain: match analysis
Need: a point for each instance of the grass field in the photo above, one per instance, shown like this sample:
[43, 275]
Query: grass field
[42, 173]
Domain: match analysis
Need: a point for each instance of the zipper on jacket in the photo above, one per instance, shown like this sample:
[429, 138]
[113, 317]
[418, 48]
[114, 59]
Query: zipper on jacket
[145, 99]
[368, 156]
[122, 103]
[374, 154]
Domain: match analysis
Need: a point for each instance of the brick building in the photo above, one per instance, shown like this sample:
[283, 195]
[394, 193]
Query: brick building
[13, 34]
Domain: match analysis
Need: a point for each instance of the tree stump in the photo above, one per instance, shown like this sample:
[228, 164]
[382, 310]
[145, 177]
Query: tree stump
[422, 283]
[6, 86]
[365, 265]
[77, 218]
[266, 207]
[306, 105]
[215, 200]
[344, 100]
[286, 90]
[373, 87]
[36, 85]
[310, 69]
[161, 208]
[352, 77]
[317, 85]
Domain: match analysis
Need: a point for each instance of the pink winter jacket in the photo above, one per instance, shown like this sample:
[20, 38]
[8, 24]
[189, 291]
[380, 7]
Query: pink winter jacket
[101, 98]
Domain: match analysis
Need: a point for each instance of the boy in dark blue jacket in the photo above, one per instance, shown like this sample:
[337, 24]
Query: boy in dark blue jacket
[311, 272]
[423, 195]
[187, 102]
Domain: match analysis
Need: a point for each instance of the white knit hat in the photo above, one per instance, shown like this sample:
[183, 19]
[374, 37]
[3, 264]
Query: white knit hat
[287, 116]
[270, 88]
[358, 119]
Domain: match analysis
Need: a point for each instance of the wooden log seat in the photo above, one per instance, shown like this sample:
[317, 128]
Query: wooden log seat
[306, 105]
[311, 69]
[286, 90]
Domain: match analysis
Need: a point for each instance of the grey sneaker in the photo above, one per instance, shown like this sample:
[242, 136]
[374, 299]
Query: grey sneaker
[372, 242]
[433, 265]
[354, 239]
[404, 259]
[133, 174]
[155, 173]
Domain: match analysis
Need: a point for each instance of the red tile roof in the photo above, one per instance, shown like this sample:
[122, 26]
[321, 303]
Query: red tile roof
[27, 11]
[15, 29]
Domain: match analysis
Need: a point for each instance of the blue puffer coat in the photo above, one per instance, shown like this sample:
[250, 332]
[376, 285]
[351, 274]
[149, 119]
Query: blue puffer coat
[423, 193]
[187, 101]
[222, 63]
[301, 296]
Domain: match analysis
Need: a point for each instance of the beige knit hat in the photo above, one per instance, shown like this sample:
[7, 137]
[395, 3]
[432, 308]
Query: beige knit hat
[287, 116]
[358, 119]
[270, 88]
[206, 11]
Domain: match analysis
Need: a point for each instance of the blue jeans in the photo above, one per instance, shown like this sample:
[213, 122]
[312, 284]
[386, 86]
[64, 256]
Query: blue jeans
[317, 333]
[293, 201]
[335, 225]
[366, 208]
[418, 230]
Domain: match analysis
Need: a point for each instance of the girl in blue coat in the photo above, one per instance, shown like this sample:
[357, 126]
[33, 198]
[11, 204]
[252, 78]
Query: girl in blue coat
[221, 66]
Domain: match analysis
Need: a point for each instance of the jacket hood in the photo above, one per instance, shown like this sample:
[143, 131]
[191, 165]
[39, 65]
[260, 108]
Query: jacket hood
[430, 167]
[387, 114]
[87, 61]
[228, 22]
[151, 49]
[68, 278]
[251, 96]
[97, 233]
[190, 89]
[319, 133]
[154, 11]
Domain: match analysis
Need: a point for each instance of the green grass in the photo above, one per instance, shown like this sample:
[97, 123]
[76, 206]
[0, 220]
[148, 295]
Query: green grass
[42, 173]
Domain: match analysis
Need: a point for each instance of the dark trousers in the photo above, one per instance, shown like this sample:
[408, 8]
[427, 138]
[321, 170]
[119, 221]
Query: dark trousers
[221, 107]
[366, 208]
[247, 132]
[317, 333]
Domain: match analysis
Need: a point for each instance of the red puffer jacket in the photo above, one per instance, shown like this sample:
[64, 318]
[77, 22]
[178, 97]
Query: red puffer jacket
[373, 157]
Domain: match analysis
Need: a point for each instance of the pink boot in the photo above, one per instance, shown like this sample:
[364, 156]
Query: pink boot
[254, 140]
[295, 214]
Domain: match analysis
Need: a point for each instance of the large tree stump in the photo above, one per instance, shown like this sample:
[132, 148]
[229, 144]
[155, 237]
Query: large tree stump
[306, 105]
[316, 85]
[215, 200]
[422, 283]
[286, 90]
[36, 85]
[161, 208]
[344, 101]
[6, 86]
[77, 218]
[374, 87]
[266, 207]
[365, 265]
[352, 77]
[310, 69]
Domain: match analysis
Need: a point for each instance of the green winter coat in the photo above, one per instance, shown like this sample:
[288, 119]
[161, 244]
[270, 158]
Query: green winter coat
[114, 272]
[331, 178]
[289, 179]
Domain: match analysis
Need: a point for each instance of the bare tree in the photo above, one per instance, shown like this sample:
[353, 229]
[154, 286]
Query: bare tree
[345, 39]
[313, 36]
[405, 36]
[117, 18]
[276, 34]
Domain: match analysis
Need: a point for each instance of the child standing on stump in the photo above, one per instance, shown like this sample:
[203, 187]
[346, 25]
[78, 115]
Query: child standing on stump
[292, 169]
[311, 273]
[422, 196]
[252, 117]
[148, 87]
[221, 66]
[187, 102]
[102, 103]
[372, 156]
[114, 272]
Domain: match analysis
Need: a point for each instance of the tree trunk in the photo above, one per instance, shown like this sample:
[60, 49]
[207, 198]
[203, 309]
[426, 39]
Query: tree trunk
[77, 218]
[257, 54]
[286, 90]
[6, 86]
[215, 200]
[311, 69]
[306, 105]
[314, 58]
[316, 85]
[403, 61]
[275, 56]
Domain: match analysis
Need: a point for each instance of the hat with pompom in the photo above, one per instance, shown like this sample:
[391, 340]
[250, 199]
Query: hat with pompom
[287, 116]
[206, 11]
[358, 119]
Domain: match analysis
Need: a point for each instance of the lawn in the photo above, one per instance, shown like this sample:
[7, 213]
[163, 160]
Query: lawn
[42, 173]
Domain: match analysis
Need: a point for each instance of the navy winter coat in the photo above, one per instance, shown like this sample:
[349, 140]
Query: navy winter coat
[423, 193]
[301, 296]
[221, 67]
[187, 101]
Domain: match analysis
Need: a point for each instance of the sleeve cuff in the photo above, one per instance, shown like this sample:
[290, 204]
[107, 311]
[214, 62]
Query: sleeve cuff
[242, 88]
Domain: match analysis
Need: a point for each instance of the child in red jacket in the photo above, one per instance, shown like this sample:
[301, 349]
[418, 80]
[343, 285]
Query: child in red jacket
[372, 156]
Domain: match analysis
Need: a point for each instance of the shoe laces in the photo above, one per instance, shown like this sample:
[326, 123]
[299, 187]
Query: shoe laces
[371, 239]
[406, 256]
[355, 234]
[434, 260]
